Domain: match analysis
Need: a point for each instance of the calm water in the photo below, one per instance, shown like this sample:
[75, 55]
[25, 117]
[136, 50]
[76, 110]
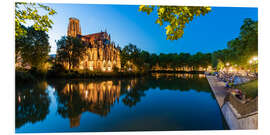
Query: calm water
[160, 102]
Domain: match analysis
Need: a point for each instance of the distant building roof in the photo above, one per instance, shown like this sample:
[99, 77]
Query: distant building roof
[74, 18]
[95, 36]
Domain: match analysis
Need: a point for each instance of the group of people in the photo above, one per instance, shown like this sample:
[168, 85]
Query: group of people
[225, 77]
[235, 78]
[231, 79]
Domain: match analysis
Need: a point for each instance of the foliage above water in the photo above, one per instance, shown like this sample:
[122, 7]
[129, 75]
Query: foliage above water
[175, 17]
[31, 12]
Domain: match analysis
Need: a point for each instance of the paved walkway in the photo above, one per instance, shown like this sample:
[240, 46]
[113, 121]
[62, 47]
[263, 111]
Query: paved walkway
[229, 112]
[218, 89]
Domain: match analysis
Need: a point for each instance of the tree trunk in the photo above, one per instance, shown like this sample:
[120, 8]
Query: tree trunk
[69, 64]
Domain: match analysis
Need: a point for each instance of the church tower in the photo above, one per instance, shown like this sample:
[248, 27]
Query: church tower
[74, 28]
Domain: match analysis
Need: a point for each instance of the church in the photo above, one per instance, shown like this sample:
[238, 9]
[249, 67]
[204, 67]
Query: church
[101, 55]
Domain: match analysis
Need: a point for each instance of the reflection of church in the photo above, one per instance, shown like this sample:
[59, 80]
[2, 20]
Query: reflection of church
[96, 97]
[105, 92]
[102, 55]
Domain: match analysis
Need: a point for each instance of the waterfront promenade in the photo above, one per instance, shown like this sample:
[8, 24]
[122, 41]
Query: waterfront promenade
[233, 117]
[218, 89]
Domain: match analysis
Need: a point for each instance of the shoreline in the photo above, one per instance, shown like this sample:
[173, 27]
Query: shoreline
[233, 119]
[31, 75]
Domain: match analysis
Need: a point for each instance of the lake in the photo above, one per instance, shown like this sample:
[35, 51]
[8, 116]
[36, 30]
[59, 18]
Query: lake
[159, 102]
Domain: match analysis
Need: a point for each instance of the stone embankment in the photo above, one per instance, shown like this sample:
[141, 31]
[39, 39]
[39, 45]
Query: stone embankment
[238, 114]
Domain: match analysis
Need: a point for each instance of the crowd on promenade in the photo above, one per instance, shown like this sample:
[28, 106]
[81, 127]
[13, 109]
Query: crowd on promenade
[235, 78]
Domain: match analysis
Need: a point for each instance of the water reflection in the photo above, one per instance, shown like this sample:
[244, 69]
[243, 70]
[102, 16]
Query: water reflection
[95, 96]
[181, 82]
[32, 103]
[80, 96]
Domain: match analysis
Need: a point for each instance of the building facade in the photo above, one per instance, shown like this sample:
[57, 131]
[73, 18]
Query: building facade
[101, 55]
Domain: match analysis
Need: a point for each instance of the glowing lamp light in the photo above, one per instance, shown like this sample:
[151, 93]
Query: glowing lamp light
[128, 88]
[227, 64]
[231, 69]
[255, 58]
[86, 94]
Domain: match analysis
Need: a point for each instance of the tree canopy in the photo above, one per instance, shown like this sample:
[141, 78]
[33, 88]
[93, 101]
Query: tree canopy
[29, 12]
[144, 60]
[241, 49]
[246, 44]
[175, 17]
[70, 50]
[33, 47]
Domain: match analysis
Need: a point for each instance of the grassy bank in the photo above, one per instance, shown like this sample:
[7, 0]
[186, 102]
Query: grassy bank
[249, 88]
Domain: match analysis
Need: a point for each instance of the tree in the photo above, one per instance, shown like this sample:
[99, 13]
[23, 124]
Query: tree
[70, 50]
[246, 44]
[175, 17]
[143, 61]
[184, 58]
[240, 49]
[153, 60]
[220, 65]
[130, 53]
[214, 60]
[33, 47]
[29, 12]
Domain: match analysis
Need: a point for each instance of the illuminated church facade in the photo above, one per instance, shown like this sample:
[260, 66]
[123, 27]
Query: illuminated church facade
[101, 55]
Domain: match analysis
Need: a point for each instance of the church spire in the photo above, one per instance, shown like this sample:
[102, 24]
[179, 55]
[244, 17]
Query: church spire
[74, 28]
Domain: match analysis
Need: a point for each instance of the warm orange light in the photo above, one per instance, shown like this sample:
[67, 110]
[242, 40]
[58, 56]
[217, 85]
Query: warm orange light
[255, 58]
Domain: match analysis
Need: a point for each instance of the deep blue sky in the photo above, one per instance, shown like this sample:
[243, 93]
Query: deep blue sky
[127, 25]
